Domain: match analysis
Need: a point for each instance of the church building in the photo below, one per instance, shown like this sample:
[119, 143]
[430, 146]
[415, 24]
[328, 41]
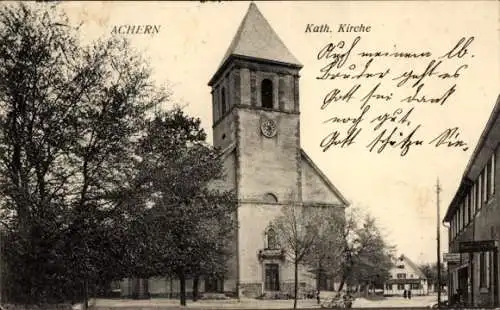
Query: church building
[256, 122]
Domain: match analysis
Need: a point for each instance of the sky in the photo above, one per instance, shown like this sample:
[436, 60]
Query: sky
[399, 191]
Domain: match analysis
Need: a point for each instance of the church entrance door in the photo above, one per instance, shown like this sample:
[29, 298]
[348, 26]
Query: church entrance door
[272, 277]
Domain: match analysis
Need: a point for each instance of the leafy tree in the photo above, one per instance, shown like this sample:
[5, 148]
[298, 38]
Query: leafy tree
[367, 258]
[69, 116]
[430, 271]
[191, 219]
[325, 258]
[87, 177]
[373, 258]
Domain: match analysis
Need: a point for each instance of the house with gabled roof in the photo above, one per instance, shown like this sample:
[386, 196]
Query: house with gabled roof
[405, 275]
[473, 216]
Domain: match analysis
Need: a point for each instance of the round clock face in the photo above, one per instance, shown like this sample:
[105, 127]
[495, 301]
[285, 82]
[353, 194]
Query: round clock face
[268, 128]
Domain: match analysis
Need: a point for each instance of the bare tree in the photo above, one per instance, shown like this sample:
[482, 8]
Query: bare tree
[297, 230]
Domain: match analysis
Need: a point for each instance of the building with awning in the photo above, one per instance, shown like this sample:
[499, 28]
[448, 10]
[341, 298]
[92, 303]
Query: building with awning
[474, 222]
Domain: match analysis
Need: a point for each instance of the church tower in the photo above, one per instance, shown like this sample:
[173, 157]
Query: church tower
[255, 95]
[256, 122]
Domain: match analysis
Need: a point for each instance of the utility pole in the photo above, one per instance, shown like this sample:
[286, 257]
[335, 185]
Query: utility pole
[438, 235]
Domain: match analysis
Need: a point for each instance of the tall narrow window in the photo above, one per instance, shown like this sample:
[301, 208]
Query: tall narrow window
[484, 186]
[473, 199]
[451, 230]
[469, 209]
[487, 185]
[482, 269]
[488, 268]
[493, 159]
[272, 242]
[223, 100]
[455, 230]
[460, 218]
[267, 93]
[453, 227]
[466, 214]
[478, 194]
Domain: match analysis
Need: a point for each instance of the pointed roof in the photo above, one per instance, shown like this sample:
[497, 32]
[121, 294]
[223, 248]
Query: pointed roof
[486, 145]
[414, 266]
[255, 38]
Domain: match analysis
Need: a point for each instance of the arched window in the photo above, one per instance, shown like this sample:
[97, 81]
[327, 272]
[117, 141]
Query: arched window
[270, 198]
[223, 100]
[272, 242]
[266, 92]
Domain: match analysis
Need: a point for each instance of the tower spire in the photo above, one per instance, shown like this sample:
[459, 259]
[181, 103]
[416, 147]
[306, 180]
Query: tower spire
[256, 38]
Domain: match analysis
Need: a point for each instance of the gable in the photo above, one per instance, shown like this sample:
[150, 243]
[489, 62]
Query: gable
[316, 187]
[412, 266]
[404, 265]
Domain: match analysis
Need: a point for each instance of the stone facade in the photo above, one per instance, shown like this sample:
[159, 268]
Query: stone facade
[267, 171]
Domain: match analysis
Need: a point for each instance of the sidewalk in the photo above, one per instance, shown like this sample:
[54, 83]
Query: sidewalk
[164, 303]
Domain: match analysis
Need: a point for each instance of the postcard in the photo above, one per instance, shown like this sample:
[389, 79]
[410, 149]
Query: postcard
[250, 155]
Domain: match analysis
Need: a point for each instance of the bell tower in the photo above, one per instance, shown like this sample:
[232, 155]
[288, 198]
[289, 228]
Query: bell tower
[255, 102]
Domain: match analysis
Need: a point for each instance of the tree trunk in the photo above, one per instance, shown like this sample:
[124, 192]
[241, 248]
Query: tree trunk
[296, 284]
[85, 304]
[182, 280]
[342, 282]
[318, 282]
[318, 276]
[171, 287]
[196, 281]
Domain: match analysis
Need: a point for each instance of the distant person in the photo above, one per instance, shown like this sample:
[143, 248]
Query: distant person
[317, 296]
[404, 293]
[409, 294]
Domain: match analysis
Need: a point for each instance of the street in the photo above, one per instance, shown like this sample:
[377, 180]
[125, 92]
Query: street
[164, 303]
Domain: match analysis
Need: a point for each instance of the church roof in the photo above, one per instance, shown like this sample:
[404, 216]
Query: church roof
[324, 179]
[255, 38]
